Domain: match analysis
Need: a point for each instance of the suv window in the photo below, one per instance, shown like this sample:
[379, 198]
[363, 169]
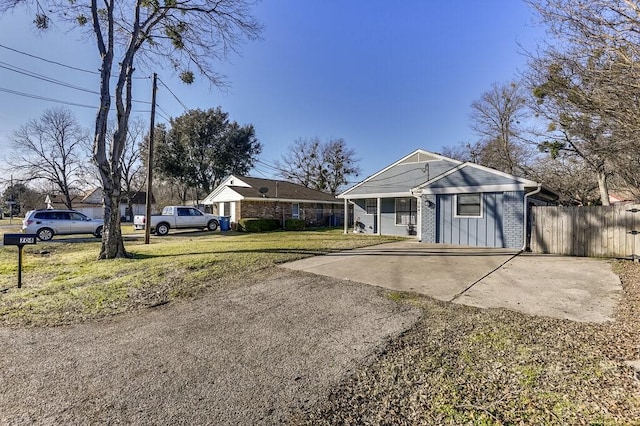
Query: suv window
[43, 215]
[52, 215]
[77, 216]
[61, 215]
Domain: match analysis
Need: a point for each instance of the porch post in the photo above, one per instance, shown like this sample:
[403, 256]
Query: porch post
[419, 218]
[346, 216]
[378, 218]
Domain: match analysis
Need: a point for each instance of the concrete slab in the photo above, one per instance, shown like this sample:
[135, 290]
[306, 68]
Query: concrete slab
[579, 289]
[576, 288]
[440, 271]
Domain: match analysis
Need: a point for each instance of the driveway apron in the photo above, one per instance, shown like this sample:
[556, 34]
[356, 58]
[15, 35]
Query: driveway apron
[579, 289]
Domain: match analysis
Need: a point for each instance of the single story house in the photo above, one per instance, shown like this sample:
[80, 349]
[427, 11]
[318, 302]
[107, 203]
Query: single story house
[248, 197]
[93, 201]
[91, 204]
[442, 200]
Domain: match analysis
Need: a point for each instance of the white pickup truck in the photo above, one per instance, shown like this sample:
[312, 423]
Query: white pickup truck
[177, 217]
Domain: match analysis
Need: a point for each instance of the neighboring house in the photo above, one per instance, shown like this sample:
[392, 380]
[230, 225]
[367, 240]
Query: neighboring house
[442, 200]
[91, 204]
[138, 204]
[247, 197]
[622, 196]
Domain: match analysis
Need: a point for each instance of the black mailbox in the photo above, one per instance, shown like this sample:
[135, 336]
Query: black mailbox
[19, 239]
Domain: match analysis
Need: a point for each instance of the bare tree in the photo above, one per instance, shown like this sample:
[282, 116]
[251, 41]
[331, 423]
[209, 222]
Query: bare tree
[591, 75]
[51, 149]
[324, 166]
[133, 170]
[496, 117]
[463, 151]
[569, 176]
[185, 34]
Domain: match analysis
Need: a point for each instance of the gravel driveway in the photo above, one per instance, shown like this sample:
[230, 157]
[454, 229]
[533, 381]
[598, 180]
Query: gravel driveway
[248, 356]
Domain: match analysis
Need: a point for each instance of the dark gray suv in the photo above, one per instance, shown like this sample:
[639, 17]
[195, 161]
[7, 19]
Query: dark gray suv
[47, 223]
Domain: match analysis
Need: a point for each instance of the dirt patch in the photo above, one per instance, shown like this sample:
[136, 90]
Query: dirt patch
[461, 365]
[251, 355]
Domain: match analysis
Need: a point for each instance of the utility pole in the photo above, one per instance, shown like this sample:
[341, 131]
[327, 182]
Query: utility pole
[147, 228]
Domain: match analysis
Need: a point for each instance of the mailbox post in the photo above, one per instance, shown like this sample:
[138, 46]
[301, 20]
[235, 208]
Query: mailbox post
[19, 240]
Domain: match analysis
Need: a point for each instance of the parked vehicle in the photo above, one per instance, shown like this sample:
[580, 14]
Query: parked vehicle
[47, 223]
[177, 217]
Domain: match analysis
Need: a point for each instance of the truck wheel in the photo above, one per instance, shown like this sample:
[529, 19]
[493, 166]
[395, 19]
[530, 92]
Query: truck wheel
[212, 225]
[162, 229]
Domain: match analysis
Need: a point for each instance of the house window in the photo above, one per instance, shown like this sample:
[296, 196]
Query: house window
[406, 211]
[469, 205]
[371, 206]
[295, 211]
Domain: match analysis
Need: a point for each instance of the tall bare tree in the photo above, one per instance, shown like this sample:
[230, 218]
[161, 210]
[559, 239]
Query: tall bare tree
[185, 34]
[577, 123]
[325, 166]
[591, 74]
[133, 170]
[50, 149]
[496, 117]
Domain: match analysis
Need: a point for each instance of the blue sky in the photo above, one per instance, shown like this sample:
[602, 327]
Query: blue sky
[388, 77]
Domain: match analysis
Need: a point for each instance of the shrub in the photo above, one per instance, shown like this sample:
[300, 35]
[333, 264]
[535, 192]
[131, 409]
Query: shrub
[294, 224]
[258, 225]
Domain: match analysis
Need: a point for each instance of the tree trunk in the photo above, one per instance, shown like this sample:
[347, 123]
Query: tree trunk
[112, 243]
[603, 187]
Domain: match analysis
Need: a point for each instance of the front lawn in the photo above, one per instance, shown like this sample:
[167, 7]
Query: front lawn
[63, 282]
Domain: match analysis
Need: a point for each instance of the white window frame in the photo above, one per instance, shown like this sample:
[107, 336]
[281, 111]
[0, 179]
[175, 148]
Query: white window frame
[415, 212]
[297, 214]
[455, 203]
[366, 206]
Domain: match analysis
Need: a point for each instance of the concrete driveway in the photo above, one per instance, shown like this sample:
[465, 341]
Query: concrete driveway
[579, 289]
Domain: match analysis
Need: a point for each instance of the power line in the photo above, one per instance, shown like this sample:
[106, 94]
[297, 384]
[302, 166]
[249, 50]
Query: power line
[44, 78]
[271, 166]
[48, 60]
[60, 63]
[54, 81]
[163, 111]
[174, 95]
[43, 98]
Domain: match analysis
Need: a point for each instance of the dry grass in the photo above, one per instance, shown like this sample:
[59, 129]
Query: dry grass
[462, 365]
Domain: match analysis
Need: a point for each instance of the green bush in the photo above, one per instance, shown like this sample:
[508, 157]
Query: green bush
[294, 224]
[258, 225]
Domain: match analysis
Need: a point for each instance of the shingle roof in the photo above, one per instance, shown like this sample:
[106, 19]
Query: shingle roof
[280, 189]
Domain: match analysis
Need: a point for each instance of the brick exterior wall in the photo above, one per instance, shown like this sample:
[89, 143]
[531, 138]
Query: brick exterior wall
[513, 217]
[314, 214]
[428, 217]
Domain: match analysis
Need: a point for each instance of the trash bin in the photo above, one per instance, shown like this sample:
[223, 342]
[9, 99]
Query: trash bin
[225, 223]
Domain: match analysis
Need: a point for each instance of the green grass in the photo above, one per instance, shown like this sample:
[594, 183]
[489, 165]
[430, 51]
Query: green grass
[64, 282]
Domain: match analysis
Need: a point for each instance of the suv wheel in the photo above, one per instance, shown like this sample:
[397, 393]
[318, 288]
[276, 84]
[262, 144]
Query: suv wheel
[45, 234]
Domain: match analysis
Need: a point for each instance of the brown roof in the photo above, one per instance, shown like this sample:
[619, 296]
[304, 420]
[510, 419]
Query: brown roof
[279, 189]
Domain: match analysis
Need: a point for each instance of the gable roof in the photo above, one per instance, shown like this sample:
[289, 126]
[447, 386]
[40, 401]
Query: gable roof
[471, 177]
[426, 172]
[252, 188]
[400, 177]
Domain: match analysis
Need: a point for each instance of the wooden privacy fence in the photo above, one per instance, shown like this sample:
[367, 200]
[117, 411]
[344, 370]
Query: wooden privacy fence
[595, 231]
